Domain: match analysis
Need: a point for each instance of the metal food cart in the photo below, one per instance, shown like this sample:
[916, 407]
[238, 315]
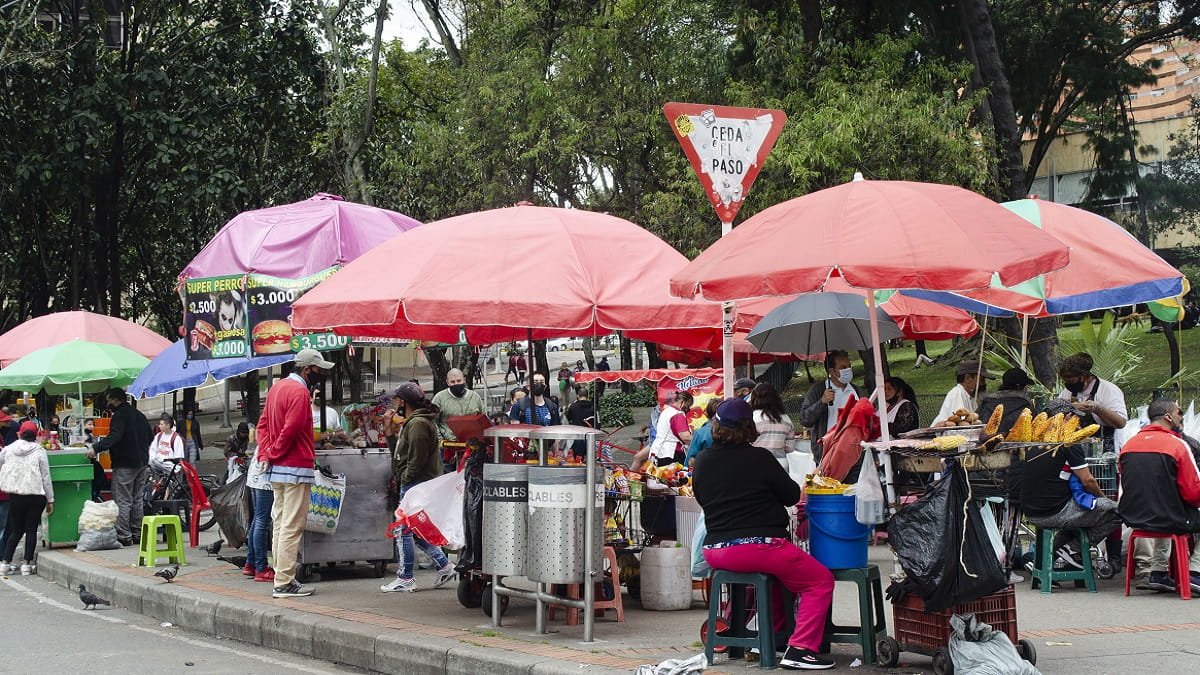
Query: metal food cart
[361, 534]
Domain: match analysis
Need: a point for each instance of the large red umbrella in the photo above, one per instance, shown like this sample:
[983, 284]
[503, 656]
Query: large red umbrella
[873, 234]
[60, 327]
[497, 274]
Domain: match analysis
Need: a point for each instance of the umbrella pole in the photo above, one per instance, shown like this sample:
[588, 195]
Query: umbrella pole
[1024, 341]
[728, 312]
[880, 401]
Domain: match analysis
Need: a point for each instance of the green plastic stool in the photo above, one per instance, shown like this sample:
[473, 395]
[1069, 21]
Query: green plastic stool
[871, 617]
[1044, 573]
[149, 552]
[738, 637]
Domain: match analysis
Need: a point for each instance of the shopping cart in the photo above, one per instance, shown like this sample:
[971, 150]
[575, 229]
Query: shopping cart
[1104, 470]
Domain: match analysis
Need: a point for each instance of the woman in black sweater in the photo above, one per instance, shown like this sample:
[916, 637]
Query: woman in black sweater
[745, 495]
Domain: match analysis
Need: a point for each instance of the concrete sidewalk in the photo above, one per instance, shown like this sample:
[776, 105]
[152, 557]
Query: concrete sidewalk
[350, 621]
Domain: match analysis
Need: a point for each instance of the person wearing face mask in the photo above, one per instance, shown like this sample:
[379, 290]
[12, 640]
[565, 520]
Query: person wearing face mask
[536, 408]
[126, 443]
[902, 412]
[453, 401]
[1161, 492]
[192, 440]
[1097, 401]
[333, 419]
[286, 459]
[826, 398]
[970, 376]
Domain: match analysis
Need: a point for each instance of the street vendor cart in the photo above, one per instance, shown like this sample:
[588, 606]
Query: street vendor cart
[365, 516]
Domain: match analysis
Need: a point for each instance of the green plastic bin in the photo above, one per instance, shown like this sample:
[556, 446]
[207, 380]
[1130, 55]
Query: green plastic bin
[71, 473]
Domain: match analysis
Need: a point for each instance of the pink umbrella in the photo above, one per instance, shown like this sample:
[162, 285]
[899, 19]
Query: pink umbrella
[293, 241]
[873, 234]
[496, 274]
[61, 327]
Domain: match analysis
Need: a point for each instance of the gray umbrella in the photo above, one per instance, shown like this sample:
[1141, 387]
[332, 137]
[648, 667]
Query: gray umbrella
[819, 322]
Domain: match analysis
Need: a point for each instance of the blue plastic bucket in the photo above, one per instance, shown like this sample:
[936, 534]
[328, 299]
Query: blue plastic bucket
[835, 538]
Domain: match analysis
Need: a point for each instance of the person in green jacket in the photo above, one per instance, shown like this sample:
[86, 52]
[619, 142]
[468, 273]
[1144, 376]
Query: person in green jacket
[415, 461]
[454, 401]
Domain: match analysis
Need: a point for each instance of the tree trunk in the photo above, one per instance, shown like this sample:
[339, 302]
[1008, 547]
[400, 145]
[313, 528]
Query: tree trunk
[1172, 346]
[981, 40]
[652, 358]
[438, 363]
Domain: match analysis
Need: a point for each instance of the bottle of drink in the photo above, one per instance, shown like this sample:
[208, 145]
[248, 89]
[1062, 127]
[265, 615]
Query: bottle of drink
[54, 440]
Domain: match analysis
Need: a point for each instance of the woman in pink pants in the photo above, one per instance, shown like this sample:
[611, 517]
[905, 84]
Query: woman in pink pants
[745, 494]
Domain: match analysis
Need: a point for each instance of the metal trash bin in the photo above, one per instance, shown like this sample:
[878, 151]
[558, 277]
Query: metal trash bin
[555, 544]
[505, 513]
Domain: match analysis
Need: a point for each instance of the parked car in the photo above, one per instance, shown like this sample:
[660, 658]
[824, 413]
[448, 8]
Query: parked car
[564, 344]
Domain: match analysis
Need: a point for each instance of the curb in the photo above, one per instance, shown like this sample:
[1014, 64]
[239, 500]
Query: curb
[374, 648]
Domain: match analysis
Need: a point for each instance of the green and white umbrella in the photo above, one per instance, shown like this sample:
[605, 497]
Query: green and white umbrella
[75, 366]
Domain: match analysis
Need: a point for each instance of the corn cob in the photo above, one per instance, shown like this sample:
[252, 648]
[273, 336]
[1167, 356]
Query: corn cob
[943, 443]
[1040, 423]
[1070, 426]
[1054, 431]
[993, 423]
[1022, 431]
[1081, 434]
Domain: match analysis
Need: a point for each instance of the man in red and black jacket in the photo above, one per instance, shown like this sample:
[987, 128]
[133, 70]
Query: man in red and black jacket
[1161, 489]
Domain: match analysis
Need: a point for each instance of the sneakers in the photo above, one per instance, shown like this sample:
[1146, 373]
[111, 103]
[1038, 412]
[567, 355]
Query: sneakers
[1161, 582]
[266, 575]
[445, 574]
[1142, 583]
[1068, 557]
[6, 568]
[292, 590]
[248, 570]
[796, 658]
[1194, 579]
[399, 585]
[28, 569]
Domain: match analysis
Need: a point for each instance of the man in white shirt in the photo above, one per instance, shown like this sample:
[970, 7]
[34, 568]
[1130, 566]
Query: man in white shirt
[970, 376]
[333, 420]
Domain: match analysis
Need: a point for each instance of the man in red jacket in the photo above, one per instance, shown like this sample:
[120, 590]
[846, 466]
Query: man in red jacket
[1161, 490]
[285, 446]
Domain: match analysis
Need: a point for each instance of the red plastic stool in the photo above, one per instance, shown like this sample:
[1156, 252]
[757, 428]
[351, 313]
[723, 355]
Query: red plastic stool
[1179, 555]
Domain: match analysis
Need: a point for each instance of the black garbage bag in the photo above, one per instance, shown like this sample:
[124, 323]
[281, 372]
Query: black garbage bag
[233, 509]
[943, 547]
[471, 555]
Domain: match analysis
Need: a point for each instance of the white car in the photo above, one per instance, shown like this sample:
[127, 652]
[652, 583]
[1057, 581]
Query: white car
[564, 344]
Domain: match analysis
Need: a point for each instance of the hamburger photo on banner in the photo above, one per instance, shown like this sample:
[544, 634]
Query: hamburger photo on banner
[272, 336]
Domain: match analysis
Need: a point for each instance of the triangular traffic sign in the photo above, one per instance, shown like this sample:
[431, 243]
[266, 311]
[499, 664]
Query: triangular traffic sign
[726, 146]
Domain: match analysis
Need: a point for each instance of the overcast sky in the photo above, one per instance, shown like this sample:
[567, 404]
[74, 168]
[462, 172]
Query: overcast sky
[405, 23]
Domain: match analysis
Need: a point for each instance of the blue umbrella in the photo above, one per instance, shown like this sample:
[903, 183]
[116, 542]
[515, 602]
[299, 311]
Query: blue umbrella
[171, 370]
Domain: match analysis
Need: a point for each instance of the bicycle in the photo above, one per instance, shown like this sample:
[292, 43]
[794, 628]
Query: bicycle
[170, 492]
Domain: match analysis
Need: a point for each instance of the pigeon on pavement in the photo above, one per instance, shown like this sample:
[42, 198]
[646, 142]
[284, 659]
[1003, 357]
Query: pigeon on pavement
[215, 547]
[90, 599]
[168, 573]
[238, 561]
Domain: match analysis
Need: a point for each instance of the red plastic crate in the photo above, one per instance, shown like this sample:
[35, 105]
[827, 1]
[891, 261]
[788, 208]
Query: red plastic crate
[930, 630]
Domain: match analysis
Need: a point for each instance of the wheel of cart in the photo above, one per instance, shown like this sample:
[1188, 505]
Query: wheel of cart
[486, 601]
[470, 588]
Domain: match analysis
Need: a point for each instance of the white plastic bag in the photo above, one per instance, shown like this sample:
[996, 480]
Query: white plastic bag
[325, 503]
[869, 501]
[979, 649]
[433, 510]
[98, 527]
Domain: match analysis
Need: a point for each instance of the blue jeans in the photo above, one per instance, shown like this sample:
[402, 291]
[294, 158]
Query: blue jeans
[406, 545]
[259, 536]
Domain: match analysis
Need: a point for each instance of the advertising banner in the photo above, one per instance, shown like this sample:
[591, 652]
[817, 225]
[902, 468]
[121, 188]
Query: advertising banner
[703, 389]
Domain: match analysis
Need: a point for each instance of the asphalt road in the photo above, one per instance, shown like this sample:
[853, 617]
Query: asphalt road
[45, 629]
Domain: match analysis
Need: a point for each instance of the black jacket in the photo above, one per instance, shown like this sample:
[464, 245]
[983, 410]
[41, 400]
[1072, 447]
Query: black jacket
[128, 439]
[744, 493]
[1014, 402]
[1160, 483]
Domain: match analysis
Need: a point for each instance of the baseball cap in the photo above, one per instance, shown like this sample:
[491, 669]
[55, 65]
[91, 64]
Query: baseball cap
[409, 392]
[744, 383]
[971, 366]
[5, 417]
[311, 357]
[1015, 378]
[28, 425]
[731, 411]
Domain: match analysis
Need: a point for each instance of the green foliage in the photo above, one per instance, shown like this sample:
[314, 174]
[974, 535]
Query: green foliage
[1110, 346]
[616, 410]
